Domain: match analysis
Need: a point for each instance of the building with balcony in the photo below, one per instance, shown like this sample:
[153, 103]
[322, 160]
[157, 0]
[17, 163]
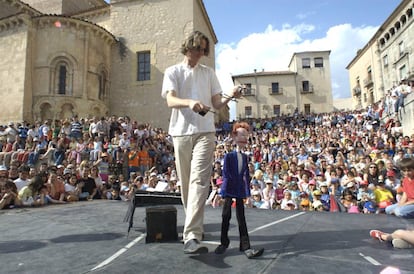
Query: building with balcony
[305, 87]
[385, 60]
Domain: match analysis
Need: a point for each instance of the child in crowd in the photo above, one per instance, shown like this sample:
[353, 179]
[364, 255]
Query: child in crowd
[317, 204]
[405, 206]
[256, 200]
[325, 196]
[365, 195]
[269, 194]
[287, 203]
[383, 197]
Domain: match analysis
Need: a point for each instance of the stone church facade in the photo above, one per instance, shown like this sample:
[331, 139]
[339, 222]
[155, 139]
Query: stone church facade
[61, 58]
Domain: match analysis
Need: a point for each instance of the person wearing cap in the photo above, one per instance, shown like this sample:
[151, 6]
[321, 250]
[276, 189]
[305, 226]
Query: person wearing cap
[364, 195]
[325, 197]
[191, 90]
[392, 182]
[287, 202]
[317, 204]
[11, 133]
[3, 175]
[268, 194]
[103, 166]
[236, 186]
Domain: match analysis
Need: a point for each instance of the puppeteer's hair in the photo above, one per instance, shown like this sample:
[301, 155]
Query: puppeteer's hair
[193, 41]
[240, 125]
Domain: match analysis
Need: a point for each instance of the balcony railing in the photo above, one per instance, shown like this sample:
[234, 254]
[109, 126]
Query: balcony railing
[308, 90]
[368, 82]
[357, 90]
[278, 91]
[249, 92]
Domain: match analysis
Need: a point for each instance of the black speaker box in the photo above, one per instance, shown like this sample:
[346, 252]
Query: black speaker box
[143, 198]
[161, 224]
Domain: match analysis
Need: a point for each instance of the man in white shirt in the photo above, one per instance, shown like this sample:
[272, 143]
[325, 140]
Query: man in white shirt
[191, 90]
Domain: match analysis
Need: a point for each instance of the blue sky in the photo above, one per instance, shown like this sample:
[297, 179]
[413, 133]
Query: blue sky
[263, 34]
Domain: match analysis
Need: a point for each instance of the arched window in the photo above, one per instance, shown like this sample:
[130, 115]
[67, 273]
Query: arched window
[61, 76]
[103, 79]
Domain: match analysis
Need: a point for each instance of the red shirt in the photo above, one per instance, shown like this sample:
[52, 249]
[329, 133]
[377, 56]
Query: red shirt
[408, 188]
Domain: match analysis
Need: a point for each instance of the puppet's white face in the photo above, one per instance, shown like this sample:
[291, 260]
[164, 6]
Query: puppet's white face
[241, 137]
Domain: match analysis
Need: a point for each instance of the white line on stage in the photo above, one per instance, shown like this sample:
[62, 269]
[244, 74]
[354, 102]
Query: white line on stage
[119, 252]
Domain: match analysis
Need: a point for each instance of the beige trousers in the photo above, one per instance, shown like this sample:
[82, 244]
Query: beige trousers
[194, 161]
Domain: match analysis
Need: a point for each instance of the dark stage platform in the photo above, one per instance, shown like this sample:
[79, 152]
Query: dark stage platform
[91, 237]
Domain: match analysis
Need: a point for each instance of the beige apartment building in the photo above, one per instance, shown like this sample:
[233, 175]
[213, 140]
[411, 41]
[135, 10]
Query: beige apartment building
[61, 58]
[305, 87]
[385, 60]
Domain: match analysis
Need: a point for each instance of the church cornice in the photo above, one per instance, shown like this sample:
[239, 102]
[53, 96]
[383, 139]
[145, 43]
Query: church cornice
[71, 22]
[92, 13]
[14, 21]
[23, 7]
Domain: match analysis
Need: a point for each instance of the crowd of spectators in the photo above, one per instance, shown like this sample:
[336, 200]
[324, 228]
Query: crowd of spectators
[393, 101]
[340, 160]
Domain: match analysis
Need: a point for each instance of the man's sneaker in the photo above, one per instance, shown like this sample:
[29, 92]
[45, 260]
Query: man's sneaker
[193, 247]
[398, 243]
[254, 253]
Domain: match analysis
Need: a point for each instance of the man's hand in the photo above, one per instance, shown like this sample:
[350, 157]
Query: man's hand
[199, 107]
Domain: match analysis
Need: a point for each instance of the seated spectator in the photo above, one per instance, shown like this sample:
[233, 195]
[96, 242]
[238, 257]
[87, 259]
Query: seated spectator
[348, 200]
[257, 201]
[305, 204]
[72, 190]
[325, 197]
[55, 187]
[8, 196]
[30, 195]
[268, 194]
[405, 206]
[400, 238]
[317, 204]
[392, 183]
[383, 197]
[364, 195]
[23, 179]
[47, 199]
[98, 181]
[87, 184]
[287, 203]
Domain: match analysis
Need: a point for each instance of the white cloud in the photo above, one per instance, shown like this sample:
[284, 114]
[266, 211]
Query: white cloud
[272, 49]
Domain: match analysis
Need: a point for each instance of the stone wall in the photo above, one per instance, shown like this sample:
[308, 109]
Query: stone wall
[407, 115]
[12, 72]
[158, 27]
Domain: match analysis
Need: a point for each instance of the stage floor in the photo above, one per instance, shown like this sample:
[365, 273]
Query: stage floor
[91, 237]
